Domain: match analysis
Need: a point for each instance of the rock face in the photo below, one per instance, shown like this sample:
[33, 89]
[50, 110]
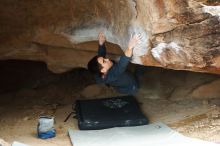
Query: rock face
[178, 85]
[177, 34]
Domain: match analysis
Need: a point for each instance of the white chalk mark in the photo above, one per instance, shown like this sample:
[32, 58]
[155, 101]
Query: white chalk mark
[213, 10]
[162, 47]
[142, 47]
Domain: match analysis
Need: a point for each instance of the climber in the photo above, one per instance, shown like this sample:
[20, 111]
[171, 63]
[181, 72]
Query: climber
[113, 73]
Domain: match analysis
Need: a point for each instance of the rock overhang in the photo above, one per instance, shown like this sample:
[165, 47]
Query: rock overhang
[181, 35]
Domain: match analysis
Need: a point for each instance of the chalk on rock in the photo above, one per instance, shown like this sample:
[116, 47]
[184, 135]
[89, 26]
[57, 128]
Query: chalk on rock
[142, 47]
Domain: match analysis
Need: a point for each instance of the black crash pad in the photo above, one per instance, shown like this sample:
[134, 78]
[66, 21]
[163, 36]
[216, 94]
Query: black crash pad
[109, 112]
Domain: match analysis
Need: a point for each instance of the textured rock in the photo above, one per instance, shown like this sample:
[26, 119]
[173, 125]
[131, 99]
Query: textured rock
[177, 34]
[208, 90]
[178, 85]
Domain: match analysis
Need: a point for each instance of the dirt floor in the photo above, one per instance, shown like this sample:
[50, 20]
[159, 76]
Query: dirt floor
[21, 108]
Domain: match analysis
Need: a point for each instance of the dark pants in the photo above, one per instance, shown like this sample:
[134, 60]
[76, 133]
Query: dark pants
[139, 71]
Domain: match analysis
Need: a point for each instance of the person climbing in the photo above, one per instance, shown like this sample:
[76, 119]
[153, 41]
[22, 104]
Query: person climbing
[113, 73]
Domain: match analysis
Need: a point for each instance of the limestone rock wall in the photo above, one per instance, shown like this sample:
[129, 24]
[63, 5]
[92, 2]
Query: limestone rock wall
[177, 34]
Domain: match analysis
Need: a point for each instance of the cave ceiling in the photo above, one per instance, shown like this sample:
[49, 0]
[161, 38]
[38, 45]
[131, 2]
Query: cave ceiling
[177, 34]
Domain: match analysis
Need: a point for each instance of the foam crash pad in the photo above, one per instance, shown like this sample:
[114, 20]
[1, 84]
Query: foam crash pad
[156, 134]
[109, 112]
[16, 143]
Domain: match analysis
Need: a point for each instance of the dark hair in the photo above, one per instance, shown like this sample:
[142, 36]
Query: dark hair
[94, 66]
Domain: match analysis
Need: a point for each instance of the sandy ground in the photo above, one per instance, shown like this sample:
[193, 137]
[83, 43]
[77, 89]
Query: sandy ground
[19, 118]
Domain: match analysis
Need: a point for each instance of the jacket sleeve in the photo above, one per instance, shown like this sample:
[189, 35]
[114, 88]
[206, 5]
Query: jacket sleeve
[102, 50]
[119, 68]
